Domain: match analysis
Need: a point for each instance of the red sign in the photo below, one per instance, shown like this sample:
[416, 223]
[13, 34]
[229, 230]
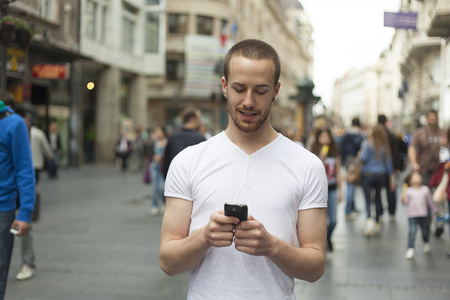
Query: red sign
[51, 71]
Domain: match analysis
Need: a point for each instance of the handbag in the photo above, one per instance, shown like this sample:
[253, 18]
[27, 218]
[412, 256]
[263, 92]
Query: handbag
[353, 174]
[147, 178]
[440, 194]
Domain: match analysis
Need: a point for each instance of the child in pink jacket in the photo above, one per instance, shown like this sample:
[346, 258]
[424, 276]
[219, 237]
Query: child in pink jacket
[418, 199]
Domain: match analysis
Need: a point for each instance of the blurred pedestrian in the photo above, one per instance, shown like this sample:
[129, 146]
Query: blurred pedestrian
[41, 150]
[123, 150]
[423, 154]
[319, 123]
[283, 185]
[418, 200]
[391, 195]
[185, 137]
[16, 176]
[376, 163]
[55, 143]
[438, 175]
[326, 148]
[350, 146]
[159, 145]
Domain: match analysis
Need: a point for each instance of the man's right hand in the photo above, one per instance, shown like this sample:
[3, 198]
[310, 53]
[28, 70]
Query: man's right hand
[220, 229]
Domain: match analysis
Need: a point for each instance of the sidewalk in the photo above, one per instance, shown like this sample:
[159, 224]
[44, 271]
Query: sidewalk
[96, 240]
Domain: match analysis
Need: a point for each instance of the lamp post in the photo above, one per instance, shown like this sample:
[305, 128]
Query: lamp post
[3, 12]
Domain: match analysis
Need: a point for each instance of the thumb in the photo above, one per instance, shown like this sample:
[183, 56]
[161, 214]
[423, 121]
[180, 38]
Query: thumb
[250, 217]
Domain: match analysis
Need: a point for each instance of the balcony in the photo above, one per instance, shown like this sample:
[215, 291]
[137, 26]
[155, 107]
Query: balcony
[440, 19]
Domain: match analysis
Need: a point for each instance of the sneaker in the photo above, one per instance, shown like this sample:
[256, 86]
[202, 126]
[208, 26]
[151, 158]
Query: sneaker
[426, 248]
[392, 218]
[154, 211]
[409, 253]
[369, 227]
[25, 273]
[377, 228]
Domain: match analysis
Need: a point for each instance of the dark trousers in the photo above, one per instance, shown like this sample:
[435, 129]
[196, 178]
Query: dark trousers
[372, 182]
[391, 196]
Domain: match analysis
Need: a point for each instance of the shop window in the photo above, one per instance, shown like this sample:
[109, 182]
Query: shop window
[205, 25]
[178, 23]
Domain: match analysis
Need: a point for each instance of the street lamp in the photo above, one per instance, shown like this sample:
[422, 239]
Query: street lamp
[306, 101]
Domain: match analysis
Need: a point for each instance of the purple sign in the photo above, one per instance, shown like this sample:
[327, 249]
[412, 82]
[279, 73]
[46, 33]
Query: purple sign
[400, 20]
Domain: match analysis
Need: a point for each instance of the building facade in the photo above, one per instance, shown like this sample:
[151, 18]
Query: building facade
[198, 35]
[410, 79]
[41, 76]
[123, 43]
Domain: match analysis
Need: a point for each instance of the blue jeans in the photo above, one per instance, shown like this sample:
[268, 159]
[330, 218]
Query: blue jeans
[350, 199]
[6, 247]
[331, 212]
[373, 182]
[423, 223]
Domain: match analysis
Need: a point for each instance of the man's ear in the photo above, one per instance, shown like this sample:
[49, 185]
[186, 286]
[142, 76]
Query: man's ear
[224, 88]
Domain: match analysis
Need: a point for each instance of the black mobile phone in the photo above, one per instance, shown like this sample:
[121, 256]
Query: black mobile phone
[236, 210]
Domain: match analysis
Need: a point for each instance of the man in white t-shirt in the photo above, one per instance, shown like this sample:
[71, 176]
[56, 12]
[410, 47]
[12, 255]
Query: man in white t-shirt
[283, 185]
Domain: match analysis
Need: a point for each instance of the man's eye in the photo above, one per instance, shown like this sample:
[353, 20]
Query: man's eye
[261, 92]
[239, 90]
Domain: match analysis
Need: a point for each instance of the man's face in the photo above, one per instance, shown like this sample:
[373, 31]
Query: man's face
[249, 92]
[432, 119]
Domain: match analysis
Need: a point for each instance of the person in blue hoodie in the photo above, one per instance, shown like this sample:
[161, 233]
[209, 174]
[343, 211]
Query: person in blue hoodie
[16, 176]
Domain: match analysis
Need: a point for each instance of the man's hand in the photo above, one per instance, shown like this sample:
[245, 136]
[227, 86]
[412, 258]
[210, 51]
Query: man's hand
[22, 227]
[219, 231]
[252, 238]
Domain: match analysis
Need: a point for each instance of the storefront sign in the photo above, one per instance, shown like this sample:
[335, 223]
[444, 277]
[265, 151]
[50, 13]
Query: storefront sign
[51, 71]
[15, 60]
[400, 20]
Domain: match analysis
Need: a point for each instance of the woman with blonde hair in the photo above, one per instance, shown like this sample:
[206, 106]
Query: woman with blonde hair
[376, 163]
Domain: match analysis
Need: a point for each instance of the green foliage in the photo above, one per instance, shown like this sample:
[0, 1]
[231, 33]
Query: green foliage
[20, 23]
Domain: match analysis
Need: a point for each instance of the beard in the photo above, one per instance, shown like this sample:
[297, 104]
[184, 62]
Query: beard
[247, 126]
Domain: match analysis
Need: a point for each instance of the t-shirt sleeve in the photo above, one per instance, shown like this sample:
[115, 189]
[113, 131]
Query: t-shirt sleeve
[177, 181]
[315, 190]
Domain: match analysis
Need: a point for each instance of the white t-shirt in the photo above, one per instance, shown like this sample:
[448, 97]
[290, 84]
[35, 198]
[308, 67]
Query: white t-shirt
[275, 182]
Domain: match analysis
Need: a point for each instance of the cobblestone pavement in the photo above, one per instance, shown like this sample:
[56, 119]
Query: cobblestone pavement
[96, 240]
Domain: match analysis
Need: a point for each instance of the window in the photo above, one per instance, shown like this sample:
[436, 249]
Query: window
[152, 2]
[152, 32]
[91, 17]
[174, 70]
[127, 35]
[48, 9]
[103, 29]
[178, 23]
[205, 25]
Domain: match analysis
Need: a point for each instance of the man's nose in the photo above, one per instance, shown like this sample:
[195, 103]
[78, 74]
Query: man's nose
[249, 101]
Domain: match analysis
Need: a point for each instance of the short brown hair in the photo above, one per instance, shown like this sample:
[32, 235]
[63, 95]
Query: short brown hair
[253, 49]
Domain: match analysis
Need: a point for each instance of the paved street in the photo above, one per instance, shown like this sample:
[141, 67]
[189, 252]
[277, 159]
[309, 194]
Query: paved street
[95, 240]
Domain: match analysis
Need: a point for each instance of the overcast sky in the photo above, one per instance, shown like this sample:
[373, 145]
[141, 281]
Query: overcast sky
[347, 34]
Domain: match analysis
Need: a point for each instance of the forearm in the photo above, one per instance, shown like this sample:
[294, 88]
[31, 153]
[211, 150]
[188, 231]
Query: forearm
[305, 263]
[180, 255]
[412, 154]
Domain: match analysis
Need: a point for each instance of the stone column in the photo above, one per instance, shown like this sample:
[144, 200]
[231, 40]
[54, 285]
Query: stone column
[138, 101]
[107, 114]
